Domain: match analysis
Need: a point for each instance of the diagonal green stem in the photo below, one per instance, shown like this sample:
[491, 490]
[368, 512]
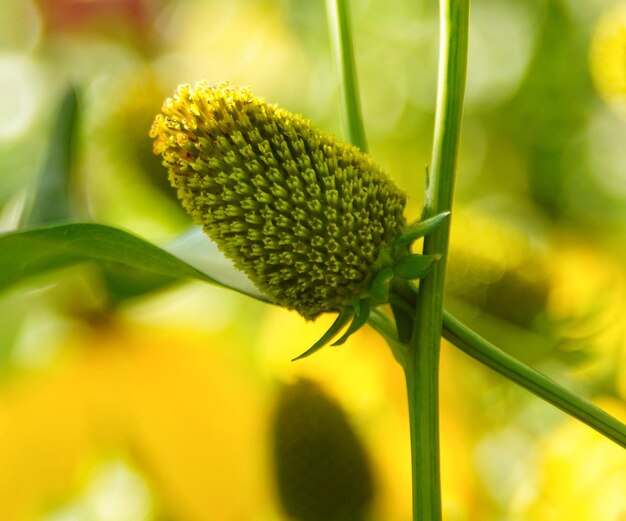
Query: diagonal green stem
[421, 370]
[481, 350]
[341, 40]
[537, 383]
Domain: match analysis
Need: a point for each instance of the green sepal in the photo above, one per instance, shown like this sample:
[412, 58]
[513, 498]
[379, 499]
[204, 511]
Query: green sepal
[415, 266]
[420, 229]
[362, 310]
[341, 320]
[379, 288]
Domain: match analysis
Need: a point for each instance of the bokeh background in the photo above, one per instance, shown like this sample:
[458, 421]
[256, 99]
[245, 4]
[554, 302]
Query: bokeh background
[180, 405]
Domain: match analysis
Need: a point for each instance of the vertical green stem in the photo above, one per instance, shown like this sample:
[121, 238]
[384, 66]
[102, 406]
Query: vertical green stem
[341, 40]
[422, 366]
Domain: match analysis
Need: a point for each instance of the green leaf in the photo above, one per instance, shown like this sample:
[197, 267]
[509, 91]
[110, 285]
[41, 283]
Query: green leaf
[196, 249]
[420, 229]
[50, 201]
[361, 313]
[27, 253]
[123, 282]
[415, 266]
[342, 319]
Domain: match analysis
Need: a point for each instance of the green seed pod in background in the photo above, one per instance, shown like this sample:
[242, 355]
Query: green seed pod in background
[304, 216]
[322, 470]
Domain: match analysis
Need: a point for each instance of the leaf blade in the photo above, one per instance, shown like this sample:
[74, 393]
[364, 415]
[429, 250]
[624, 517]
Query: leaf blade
[51, 197]
[27, 253]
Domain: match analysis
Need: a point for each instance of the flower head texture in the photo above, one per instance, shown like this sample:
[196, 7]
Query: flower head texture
[304, 216]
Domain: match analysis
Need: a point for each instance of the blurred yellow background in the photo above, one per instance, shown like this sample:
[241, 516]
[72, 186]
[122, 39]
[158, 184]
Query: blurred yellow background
[161, 407]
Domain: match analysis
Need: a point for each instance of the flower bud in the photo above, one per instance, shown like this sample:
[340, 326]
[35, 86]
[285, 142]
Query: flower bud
[305, 217]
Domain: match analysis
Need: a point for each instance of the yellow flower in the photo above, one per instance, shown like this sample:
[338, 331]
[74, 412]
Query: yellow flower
[166, 399]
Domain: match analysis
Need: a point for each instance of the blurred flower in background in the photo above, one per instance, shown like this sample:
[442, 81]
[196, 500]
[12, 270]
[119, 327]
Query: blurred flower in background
[322, 469]
[159, 410]
[608, 48]
[160, 406]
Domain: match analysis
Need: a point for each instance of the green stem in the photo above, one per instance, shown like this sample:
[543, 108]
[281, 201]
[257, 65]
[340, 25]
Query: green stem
[422, 368]
[537, 383]
[480, 349]
[341, 40]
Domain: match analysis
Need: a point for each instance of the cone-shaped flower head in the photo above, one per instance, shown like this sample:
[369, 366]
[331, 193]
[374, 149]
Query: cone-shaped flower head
[304, 216]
